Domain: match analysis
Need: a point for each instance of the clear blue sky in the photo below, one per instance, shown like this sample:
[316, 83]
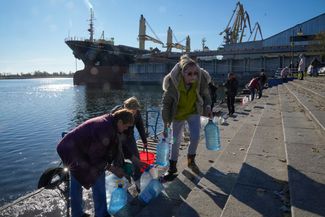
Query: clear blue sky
[33, 31]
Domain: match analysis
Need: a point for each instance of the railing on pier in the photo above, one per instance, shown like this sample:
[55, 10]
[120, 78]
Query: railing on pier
[152, 126]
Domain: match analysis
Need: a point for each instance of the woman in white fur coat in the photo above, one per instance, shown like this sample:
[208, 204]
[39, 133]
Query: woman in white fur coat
[186, 97]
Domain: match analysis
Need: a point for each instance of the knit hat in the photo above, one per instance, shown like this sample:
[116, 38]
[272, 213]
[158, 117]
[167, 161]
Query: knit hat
[185, 60]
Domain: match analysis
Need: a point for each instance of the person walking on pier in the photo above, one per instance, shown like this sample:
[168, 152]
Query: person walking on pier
[89, 150]
[302, 65]
[186, 97]
[232, 86]
[129, 145]
[213, 93]
[284, 74]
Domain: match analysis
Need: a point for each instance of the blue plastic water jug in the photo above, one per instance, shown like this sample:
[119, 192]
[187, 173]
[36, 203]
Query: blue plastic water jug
[212, 136]
[151, 191]
[162, 156]
[145, 178]
[118, 199]
[111, 183]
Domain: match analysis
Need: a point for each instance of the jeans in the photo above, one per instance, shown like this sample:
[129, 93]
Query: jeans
[194, 126]
[99, 197]
[260, 90]
[252, 93]
[284, 79]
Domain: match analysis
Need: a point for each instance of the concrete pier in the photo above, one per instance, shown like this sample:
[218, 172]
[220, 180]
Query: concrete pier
[272, 163]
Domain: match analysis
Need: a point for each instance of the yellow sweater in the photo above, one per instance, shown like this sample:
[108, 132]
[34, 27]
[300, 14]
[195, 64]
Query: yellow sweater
[187, 101]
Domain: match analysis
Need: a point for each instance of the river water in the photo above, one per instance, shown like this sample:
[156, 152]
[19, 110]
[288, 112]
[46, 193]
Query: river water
[34, 113]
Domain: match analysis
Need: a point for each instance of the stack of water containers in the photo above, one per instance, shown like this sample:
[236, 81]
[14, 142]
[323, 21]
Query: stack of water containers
[116, 192]
[212, 136]
[150, 185]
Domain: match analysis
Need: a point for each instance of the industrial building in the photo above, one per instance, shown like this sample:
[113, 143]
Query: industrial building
[246, 59]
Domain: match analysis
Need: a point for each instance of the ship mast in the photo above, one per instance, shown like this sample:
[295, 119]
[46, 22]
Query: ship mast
[91, 26]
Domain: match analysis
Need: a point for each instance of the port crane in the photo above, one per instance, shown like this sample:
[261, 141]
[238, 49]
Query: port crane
[177, 45]
[256, 29]
[234, 33]
[169, 45]
[143, 36]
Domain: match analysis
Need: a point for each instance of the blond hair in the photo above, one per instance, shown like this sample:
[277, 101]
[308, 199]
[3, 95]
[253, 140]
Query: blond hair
[186, 61]
[131, 103]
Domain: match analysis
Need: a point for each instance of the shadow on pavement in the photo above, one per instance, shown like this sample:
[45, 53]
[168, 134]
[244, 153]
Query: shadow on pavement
[252, 187]
[308, 194]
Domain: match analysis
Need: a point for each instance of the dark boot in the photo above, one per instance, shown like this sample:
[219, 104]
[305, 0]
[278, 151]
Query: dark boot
[172, 171]
[191, 163]
[172, 166]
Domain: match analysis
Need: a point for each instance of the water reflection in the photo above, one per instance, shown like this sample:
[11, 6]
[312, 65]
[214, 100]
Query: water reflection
[34, 113]
[54, 87]
[91, 102]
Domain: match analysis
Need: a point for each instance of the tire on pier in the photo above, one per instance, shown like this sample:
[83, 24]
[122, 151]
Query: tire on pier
[53, 177]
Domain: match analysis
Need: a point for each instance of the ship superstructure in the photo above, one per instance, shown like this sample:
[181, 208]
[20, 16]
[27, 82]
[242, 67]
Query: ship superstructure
[104, 61]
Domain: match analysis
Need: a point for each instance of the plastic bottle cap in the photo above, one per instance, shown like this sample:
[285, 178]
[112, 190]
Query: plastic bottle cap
[149, 167]
[119, 183]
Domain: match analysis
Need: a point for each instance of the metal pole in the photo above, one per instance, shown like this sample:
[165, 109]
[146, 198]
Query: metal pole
[291, 44]
[68, 196]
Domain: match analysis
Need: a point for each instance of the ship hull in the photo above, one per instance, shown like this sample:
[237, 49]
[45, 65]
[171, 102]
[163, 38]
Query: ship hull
[104, 63]
[110, 77]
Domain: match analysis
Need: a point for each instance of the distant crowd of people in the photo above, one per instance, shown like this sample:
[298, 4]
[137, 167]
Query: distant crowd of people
[301, 68]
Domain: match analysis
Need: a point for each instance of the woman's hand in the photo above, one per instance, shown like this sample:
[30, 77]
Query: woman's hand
[208, 111]
[118, 171]
[138, 163]
[166, 130]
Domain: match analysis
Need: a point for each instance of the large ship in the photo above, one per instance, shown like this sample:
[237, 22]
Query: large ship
[105, 63]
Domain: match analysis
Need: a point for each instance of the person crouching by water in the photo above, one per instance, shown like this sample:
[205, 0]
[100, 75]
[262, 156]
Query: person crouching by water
[129, 145]
[186, 97]
[232, 86]
[89, 150]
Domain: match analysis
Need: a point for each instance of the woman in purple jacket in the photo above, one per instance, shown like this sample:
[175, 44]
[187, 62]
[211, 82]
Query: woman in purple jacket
[89, 150]
[129, 144]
